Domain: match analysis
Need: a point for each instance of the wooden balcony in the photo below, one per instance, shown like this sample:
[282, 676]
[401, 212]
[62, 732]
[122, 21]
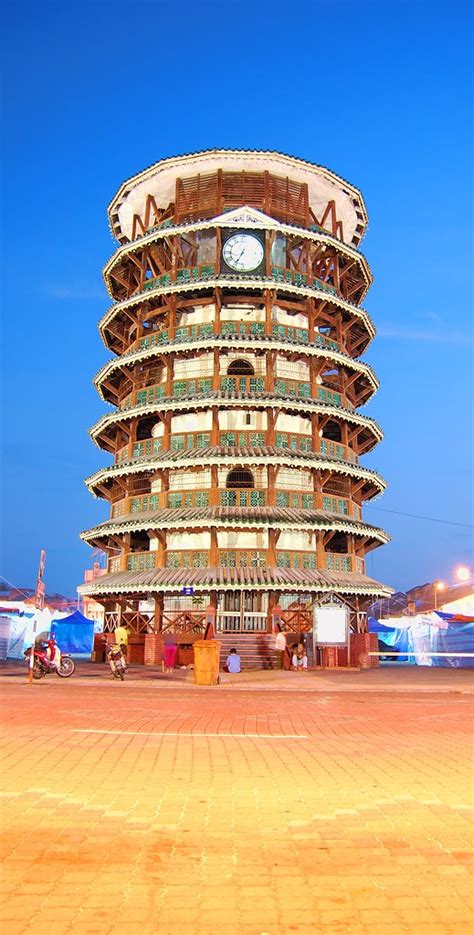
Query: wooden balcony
[149, 448]
[235, 497]
[231, 329]
[211, 271]
[239, 558]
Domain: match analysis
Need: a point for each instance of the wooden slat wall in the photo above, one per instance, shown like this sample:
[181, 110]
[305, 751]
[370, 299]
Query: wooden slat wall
[205, 196]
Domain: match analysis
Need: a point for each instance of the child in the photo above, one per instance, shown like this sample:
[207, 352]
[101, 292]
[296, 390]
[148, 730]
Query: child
[233, 661]
[299, 661]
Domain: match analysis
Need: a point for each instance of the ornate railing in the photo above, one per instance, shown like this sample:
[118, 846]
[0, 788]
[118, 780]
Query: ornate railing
[206, 271]
[149, 448]
[234, 497]
[338, 561]
[183, 621]
[239, 558]
[233, 386]
[291, 559]
[230, 329]
[297, 620]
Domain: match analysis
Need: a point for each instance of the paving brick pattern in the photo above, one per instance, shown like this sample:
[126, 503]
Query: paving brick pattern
[155, 806]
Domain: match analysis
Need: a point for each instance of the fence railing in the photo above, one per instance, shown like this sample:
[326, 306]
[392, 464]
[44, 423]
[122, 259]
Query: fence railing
[232, 497]
[240, 558]
[233, 386]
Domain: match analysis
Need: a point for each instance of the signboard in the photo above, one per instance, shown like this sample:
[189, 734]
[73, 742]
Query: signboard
[187, 591]
[330, 625]
[40, 589]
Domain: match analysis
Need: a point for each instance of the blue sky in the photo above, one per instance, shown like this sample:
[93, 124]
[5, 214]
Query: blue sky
[379, 92]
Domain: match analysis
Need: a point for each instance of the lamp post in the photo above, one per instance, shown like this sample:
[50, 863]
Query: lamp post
[438, 586]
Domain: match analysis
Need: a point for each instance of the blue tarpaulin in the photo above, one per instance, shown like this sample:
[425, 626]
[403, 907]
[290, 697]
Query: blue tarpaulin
[458, 638]
[74, 634]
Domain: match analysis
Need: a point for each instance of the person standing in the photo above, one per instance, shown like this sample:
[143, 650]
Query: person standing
[169, 653]
[280, 646]
[121, 638]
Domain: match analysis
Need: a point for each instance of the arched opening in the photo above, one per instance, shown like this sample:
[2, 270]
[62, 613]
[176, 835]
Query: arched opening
[240, 368]
[338, 543]
[332, 431]
[145, 428]
[239, 478]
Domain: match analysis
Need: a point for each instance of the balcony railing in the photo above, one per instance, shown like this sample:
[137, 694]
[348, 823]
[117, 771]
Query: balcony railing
[291, 559]
[233, 386]
[232, 497]
[149, 448]
[255, 329]
[194, 274]
[338, 561]
[239, 558]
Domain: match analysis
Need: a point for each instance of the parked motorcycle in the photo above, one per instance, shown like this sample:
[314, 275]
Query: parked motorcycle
[44, 663]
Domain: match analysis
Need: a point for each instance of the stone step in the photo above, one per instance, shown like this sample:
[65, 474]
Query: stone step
[256, 650]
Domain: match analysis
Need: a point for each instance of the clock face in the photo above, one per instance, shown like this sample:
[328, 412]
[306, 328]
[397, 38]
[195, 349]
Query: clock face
[243, 252]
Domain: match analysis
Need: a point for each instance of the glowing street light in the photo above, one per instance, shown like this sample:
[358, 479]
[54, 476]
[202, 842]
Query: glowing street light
[438, 586]
[462, 573]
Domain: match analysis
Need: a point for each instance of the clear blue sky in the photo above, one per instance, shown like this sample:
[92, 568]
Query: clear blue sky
[377, 91]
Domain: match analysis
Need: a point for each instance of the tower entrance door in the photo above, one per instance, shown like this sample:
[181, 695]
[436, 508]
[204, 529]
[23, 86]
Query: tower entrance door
[242, 612]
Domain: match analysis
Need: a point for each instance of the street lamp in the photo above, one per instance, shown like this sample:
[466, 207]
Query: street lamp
[462, 573]
[438, 586]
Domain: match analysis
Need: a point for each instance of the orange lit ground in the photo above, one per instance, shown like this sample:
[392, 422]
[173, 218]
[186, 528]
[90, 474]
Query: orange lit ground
[348, 812]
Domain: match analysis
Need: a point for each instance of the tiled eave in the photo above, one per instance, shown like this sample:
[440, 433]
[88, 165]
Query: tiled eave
[206, 457]
[176, 405]
[216, 578]
[206, 344]
[235, 518]
[236, 282]
[268, 224]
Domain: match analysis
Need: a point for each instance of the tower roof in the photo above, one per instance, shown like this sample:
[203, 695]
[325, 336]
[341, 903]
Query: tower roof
[160, 178]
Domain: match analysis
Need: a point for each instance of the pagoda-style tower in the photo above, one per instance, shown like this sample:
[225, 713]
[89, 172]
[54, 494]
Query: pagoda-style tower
[236, 382]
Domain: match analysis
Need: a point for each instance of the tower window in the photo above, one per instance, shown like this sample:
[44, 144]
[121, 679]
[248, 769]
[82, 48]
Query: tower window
[240, 478]
[241, 368]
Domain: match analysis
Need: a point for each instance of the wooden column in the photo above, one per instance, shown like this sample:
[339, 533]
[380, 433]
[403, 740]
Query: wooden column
[165, 486]
[158, 613]
[167, 431]
[161, 552]
[271, 479]
[311, 317]
[215, 440]
[125, 551]
[214, 492]
[213, 555]
[217, 312]
[320, 551]
[315, 439]
[270, 360]
[216, 378]
[269, 296]
[169, 375]
[272, 543]
[172, 318]
[270, 430]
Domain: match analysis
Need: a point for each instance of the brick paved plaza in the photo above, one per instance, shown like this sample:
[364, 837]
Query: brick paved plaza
[279, 803]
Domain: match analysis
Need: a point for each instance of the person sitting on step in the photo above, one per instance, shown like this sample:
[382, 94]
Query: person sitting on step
[233, 662]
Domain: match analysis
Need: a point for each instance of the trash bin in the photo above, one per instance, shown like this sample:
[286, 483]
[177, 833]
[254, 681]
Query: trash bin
[206, 662]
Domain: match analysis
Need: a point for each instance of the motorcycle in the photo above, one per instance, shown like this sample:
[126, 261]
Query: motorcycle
[44, 663]
[117, 662]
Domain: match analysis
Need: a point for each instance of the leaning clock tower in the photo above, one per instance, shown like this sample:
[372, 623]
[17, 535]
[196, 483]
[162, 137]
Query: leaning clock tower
[237, 384]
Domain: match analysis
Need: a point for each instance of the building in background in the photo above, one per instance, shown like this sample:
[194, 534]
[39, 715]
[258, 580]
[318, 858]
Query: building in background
[237, 383]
